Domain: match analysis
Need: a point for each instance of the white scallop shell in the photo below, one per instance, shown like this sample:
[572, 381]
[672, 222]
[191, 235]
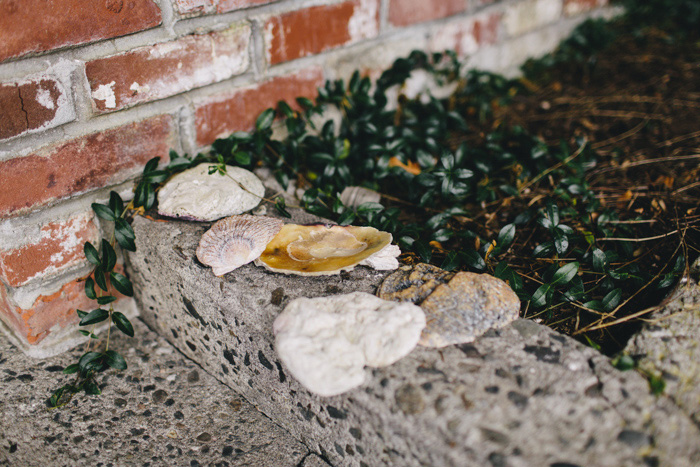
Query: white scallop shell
[353, 196]
[197, 195]
[235, 241]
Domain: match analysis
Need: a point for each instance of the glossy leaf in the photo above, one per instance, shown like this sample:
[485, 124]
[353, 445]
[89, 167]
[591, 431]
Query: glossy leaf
[114, 360]
[95, 316]
[123, 323]
[124, 235]
[265, 119]
[565, 273]
[90, 288]
[107, 299]
[612, 299]
[70, 369]
[122, 284]
[506, 236]
[109, 256]
[104, 212]
[91, 254]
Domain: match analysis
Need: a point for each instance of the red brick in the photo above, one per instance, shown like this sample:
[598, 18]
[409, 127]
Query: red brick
[316, 29]
[162, 70]
[405, 12]
[32, 105]
[82, 164]
[239, 110]
[466, 37]
[49, 312]
[29, 26]
[574, 7]
[230, 5]
[60, 247]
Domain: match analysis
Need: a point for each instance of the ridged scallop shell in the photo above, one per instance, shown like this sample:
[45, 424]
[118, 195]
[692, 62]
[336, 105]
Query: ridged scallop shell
[235, 241]
[316, 250]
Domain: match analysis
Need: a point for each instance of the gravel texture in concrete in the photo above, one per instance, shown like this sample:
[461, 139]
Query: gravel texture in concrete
[163, 410]
[522, 395]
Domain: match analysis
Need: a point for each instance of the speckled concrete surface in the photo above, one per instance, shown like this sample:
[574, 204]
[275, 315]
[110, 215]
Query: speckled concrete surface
[162, 411]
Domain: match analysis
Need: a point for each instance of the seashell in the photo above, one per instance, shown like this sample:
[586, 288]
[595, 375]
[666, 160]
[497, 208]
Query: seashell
[326, 342]
[466, 307]
[353, 196]
[385, 259]
[235, 241]
[316, 250]
[196, 195]
[413, 283]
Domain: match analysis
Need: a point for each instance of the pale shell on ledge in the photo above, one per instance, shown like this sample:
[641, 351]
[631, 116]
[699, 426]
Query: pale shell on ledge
[197, 195]
[235, 241]
[353, 196]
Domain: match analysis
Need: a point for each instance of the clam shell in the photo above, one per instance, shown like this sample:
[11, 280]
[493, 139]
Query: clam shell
[466, 307]
[353, 196]
[235, 241]
[197, 195]
[413, 283]
[316, 250]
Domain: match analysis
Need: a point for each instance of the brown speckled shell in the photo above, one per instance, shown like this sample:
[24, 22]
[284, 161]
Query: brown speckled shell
[235, 241]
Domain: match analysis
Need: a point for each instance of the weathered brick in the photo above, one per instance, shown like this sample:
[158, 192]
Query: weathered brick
[163, 70]
[466, 37]
[82, 164]
[33, 105]
[48, 313]
[59, 248]
[575, 7]
[526, 16]
[198, 7]
[29, 26]
[316, 29]
[238, 110]
[405, 12]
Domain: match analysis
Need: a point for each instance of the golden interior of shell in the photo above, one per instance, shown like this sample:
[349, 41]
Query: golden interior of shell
[320, 249]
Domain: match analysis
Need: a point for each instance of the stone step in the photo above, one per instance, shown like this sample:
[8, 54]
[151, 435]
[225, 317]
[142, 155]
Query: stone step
[162, 410]
[523, 395]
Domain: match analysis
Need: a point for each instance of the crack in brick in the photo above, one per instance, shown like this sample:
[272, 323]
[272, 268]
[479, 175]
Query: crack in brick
[21, 101]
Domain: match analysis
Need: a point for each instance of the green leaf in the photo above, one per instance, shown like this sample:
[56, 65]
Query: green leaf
[156, 176]
[600, 261]
[285, 109]
[561, 241]
[265, 120]
[81, 313]
[70, 369]
[84, 332]
[657, 385]
[612, 299]
[91, 388]
[90, 289]
[423, 250]
[124, 235]
[346, 218]
[281, 205]
[451, 261]
[553, 213]
[91, 361]
[565, 273]
[151, 165]
[369, 208]
[539, 298]
[592, 343]
[506, 236]
[242, 158]
[305, 102]
[95, 316]
[104, 212]
[109, 256]
[107, 299]
[623, 363]
[91, 254]
[507, 274]
[115, 203]
[114, 360]
[100, 278]
[122, 284]
[123, 323]
[473, 259]
[543, 249]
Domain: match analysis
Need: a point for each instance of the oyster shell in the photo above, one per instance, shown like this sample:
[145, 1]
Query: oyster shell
[326, 342]
[316, 250]
[196, 195]
[385, 259]
[466, 307]
[235, 241]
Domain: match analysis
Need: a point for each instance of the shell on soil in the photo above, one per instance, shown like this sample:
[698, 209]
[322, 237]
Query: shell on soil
[353, 196]
[235, 241]
[466, 307]
[413, 283]
[197, 195]
[314, 250]
[326, 342]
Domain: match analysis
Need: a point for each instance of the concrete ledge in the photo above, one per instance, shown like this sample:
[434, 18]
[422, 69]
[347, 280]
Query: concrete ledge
[523, 395]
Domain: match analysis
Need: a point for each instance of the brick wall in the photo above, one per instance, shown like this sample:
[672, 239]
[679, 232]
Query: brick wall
[92, 89]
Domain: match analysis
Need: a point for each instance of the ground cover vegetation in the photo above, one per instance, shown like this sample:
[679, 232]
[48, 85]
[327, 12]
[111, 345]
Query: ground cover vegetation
[576, 183]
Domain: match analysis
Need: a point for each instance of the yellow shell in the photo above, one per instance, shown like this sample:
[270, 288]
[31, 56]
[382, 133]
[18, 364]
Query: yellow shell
[315, 250]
